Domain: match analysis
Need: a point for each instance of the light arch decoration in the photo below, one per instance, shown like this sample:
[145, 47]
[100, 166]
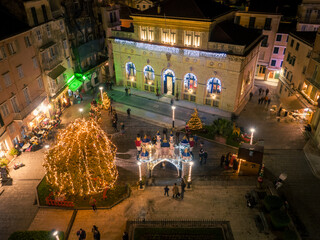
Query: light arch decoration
[168, 77]
[149, 75]
[131, 71]
[213, 86]
[190, 83]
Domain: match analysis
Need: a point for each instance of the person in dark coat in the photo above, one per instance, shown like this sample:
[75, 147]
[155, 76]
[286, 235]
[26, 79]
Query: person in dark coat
[126, 90]
[128, 112]
[183, 187]
[222, 159]
[166, 191]
[205, 157]
[96, 233]
[251, 95]
[260, 90]
[81, 234]
[267, 91]
[201, 155]
[114, 125]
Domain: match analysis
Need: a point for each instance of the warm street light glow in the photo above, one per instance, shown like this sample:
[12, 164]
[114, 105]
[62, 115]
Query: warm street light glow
[213, 96]
[173, 108]
[81, 111]
[55, 234]
[140, 175]
[252, 130]
[190, 169]
[46, 146]
[101, 88]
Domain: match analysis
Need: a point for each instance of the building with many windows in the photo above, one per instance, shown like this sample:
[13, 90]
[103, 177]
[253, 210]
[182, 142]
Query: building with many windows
[268, 23]
[308, 15]
[195, 54]
[22, 91]
[295, 64]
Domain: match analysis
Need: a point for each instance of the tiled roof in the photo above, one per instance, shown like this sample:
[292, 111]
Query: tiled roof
[198, 9]
[307, 37]
[231, 33]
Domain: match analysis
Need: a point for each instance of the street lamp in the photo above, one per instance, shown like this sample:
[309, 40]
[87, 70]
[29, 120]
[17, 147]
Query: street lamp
[55, 234]
[101, 88]
[47, 146]
[81, 111]
[140, 176]
[173, 108]
[189, 176]
[252, 130]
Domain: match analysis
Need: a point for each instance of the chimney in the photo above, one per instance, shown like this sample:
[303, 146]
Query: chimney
[159, 9]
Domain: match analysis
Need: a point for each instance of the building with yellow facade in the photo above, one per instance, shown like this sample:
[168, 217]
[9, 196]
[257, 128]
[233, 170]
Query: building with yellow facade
[196, 54]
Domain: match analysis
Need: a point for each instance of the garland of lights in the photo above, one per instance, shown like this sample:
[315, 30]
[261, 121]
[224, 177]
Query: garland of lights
[82, 161]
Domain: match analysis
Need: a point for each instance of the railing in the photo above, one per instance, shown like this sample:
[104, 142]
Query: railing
[53, 202]
[51, 63]
[28, 109]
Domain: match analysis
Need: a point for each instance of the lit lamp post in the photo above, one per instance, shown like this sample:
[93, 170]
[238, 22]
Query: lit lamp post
[81, 111]
[189, 176]
[101, 88]
[173, 108]
[55, 234]
[252, 130]
[140, 177]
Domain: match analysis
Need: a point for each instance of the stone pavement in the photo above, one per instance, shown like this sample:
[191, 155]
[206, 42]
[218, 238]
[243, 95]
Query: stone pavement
[220, 203]
[17, 201]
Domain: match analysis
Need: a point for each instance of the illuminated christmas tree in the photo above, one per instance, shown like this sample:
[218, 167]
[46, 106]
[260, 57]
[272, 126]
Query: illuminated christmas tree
[95, 113]
[195, 123]
[106, 101]
[83, 160]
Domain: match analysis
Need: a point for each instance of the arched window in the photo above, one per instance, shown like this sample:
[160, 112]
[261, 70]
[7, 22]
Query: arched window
[190, 82]
[148, 75]
[213, 86]
[130, 70]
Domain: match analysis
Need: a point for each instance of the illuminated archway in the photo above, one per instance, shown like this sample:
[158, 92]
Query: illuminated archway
[130, 71]
[149, 76]
[168, 77]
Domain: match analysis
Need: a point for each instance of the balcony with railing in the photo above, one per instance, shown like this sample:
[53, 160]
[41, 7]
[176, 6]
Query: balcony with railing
[28, 109]
[51, 63]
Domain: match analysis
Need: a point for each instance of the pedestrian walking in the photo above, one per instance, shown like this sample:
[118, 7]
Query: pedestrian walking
[171, 101]
[166, 191]
[259, 100]
[260, 90]
[122, 128]
[269, 100]
[128, 112]
[96, 233]
[81, 234]
[93, 204]
[191, 143]
[115, 115]
[126, 90]
[110, 109]
[196, 139]
[125, 236]
[183, 187]
[175, 191]
[222, 159]
[251, 95]
[267, 91]
[129, 91]
[114, 125]
[205, 157]
[201, 153]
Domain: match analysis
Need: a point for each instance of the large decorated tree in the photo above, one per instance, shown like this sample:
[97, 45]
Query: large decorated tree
[95, 113]
[195, 122]
[83, 160]
[106, 101]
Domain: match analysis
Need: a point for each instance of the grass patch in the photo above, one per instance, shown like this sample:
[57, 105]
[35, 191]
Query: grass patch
[34, 235]
[113, 196]
[178, 233]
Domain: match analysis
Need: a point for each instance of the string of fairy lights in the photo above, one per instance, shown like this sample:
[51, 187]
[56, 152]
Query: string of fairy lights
[83, 160]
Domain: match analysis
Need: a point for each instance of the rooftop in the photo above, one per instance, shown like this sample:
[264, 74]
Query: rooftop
[231, 33]
[306, 37]
[126, 11]
[192, 9]
[286, 27]
[12, 25]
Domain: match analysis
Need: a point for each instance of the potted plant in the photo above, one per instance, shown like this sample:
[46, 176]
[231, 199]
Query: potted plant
[221, 129]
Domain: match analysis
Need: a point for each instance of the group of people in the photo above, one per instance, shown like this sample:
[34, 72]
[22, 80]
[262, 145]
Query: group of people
[227, 162]
[264, 99]
[175, 190]
[128, 91]
[82, 235]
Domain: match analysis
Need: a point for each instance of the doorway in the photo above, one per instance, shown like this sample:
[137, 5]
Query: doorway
[168, 82]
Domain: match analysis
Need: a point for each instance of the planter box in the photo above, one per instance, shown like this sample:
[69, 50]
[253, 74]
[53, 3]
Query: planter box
[220, 139]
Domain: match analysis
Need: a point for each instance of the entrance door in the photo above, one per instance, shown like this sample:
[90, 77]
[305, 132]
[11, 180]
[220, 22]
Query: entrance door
[168, 82]
[169, 85]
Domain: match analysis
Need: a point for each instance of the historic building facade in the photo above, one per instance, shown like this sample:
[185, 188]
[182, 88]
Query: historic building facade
[308, 15]
[189, 58]
[269, 23]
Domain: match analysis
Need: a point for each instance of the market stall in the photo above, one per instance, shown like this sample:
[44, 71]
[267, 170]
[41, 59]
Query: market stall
[250, 158]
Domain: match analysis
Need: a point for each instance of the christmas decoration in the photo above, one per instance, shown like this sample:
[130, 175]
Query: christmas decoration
[195, 123]
[95, 113]
[82, 161]
[106, 101]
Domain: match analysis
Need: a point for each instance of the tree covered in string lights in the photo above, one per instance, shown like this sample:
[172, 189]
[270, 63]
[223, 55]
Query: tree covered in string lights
[106, 101]
[195, 122]
[83, 160]
[95, 113]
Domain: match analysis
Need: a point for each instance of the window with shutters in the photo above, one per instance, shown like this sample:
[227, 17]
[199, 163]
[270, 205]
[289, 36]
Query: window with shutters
[5, 110]
[48, 30]
[35, 62]
[7, 79]
[20, 71]
[14, 104]
[26, 95]
[2, 53]
[39, 36]
[27, 41]
[11, 48]
[40, 83]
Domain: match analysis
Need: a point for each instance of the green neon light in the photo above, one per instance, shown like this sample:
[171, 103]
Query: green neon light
[70, 79]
